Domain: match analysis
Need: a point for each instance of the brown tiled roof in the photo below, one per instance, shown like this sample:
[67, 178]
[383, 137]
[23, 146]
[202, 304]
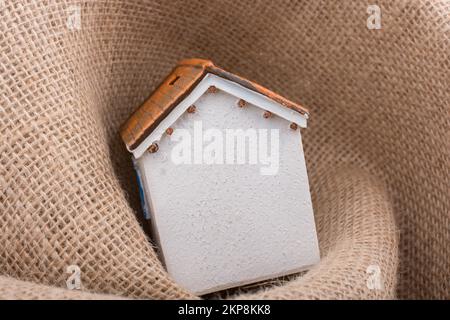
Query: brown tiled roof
[183, 79]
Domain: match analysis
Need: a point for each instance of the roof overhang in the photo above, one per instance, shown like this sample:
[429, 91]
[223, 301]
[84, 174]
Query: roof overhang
[187, 83]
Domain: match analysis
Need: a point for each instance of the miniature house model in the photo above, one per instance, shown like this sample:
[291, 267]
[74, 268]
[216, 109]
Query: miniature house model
[223, 179]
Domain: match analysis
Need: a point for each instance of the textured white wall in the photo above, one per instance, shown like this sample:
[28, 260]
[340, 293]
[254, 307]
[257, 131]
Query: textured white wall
[221, 226]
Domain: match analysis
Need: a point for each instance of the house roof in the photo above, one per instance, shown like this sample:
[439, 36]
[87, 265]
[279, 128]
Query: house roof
[175, 87]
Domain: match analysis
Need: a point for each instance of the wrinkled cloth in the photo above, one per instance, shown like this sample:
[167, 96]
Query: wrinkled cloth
[377, 146]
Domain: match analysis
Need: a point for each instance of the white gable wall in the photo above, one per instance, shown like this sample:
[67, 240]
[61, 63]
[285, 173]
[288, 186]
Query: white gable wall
[221, 226]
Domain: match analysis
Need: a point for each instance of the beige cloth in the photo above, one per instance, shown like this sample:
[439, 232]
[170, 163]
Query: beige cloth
[377, 146]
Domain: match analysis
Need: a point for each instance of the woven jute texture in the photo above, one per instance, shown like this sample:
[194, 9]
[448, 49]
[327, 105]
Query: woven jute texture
[15, 289]
[377, 146]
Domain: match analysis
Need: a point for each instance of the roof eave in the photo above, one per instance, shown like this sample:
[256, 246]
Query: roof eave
[175, 87]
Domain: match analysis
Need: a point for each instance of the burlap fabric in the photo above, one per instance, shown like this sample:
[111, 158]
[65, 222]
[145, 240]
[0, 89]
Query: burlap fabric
[377, 145]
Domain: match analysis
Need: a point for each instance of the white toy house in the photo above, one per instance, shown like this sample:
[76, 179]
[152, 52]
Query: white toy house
[223, 179]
